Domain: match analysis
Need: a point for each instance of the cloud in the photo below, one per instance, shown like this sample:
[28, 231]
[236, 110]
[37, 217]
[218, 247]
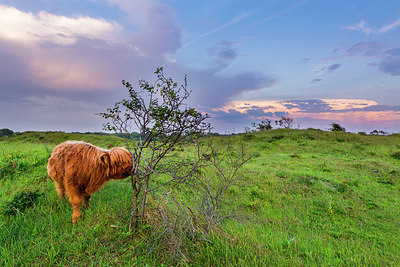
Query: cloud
[326, 69]
[390, 65]
[332, 68]
[284, 11]
[316, 80]
[213, 89]
[231, 116]
[390, 26]
[82, 53]
[228, 54]
[228, 24]
[381, 108]
[26, 27]
[224, 50]
[367, 49]
[259, 112]
[244, 16]
[393, 52]
[310, 106]
[220, 28]
[389, 58]
[384, 29]
[304, 60]
[360, 27]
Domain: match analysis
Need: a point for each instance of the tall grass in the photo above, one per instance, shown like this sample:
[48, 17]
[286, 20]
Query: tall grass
[311, 198]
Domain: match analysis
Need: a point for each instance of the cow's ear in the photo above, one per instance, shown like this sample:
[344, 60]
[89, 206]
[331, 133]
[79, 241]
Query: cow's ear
[105, 159]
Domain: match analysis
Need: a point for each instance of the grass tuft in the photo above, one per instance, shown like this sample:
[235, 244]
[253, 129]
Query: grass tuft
[21, 202]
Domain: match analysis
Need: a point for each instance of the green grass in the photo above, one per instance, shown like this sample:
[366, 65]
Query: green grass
[313, 198]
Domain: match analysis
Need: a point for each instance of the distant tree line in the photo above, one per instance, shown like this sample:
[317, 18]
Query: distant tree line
[6, 131]
[287, 123]
[131, 136]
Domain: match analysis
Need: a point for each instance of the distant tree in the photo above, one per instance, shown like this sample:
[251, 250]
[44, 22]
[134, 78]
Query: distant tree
[376, 132]
[263, 125]
[335, 127]
[5, 131]
[285, 122]
[362, 133]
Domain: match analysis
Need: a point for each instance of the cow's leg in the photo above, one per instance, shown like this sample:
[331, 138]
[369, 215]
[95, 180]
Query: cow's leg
[60, 189]
[87, 199]
[75, 198]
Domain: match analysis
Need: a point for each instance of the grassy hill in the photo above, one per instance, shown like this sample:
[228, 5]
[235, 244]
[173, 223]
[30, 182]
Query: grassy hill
[106, 140]
[310, 198]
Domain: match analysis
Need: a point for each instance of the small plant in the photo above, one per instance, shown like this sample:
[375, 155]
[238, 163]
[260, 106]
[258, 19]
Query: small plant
[20, 202]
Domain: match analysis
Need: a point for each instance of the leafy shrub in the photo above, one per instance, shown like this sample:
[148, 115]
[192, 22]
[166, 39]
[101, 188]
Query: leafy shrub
[20, 202]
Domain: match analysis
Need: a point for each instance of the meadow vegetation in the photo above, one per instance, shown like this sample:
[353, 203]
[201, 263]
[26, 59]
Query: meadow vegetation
[306, 197]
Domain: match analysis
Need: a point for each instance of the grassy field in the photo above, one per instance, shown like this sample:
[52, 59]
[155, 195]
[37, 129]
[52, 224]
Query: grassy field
[313, 198]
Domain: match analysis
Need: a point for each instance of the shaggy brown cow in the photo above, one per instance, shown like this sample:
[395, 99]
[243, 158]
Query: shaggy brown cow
[79, 169]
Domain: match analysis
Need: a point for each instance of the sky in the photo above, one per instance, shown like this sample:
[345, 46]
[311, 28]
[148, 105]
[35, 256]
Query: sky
[318, 62]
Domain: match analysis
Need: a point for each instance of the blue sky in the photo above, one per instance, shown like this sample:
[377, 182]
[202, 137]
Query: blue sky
[318, 62]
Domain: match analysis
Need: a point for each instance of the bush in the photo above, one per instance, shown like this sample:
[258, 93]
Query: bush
[263, 125]
[285, 122]
[335, 127]
[376, 132]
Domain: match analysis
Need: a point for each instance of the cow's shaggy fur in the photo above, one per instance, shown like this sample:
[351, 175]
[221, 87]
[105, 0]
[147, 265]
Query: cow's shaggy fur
[79, 169]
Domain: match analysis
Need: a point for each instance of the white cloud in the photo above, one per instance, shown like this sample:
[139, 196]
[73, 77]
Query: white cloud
[360, 27]
[390, 27]
[363, 28]
[27, 27]
[82, 53]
